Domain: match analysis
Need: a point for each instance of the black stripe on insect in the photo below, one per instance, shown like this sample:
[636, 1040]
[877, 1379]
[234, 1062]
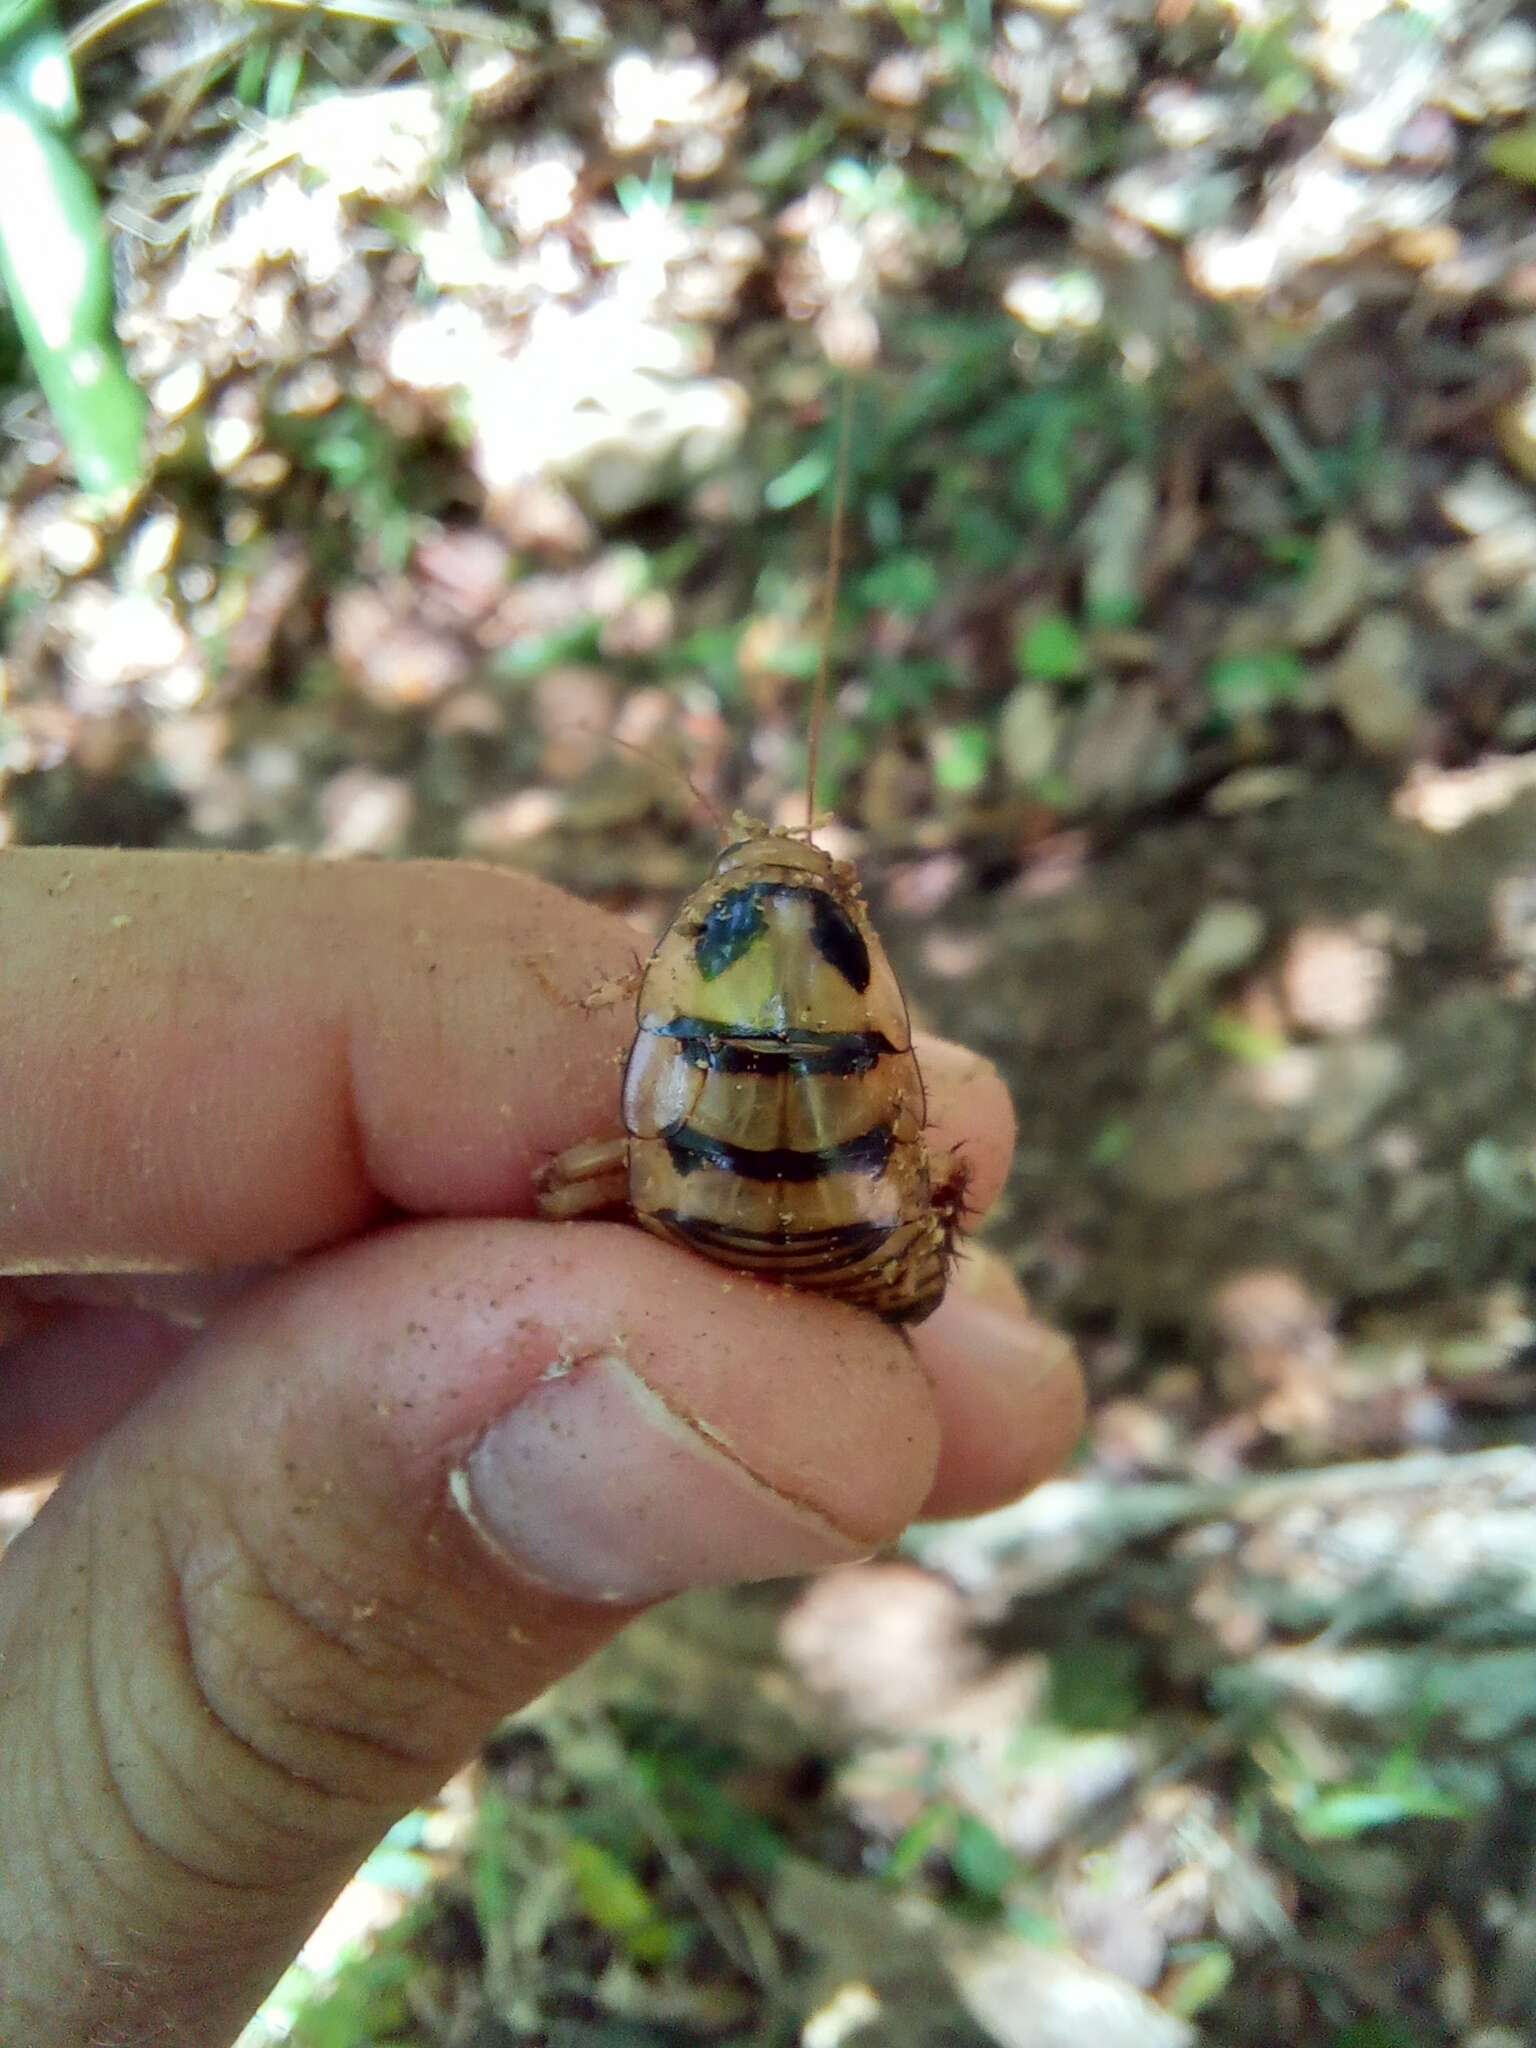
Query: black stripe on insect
[705, 1042]
[690, 1149]
[841, 1243]
[735, 922]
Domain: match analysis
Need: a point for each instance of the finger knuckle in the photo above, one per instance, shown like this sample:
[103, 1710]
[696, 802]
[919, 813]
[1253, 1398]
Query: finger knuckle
[310, 1711]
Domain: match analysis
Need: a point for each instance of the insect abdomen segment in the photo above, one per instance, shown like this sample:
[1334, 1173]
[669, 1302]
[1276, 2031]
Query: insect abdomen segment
[782, 1164]
[706, 1044]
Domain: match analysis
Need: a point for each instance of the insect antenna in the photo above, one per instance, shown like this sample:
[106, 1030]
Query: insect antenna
[829, 589]
[652, 754]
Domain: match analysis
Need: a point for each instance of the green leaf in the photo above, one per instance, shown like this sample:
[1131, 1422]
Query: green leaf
[982, 1860]
[284, 79]
[1048, 475]
[784, 160]
[1336, 1816]
[1111, 1142]
[1240, 685]
[56, 268]
[1346, 471]
[367, 2001]
[1096, 1685]
[706, 1815]
[492, 1887]
[1030, 1924]
[1242, 1040]
[19, 17]
[34, 60]
[962, 756]
[251, 78]
[1378, 2032]
[898, 687]
[984, 540]
[1268, 53]
[930, 1832]
[883, 517]
[1296, 551]
[615, 1900]
[529, 658]
[1198, 1981]
[850, 179]
[1052, 650]
[802, 480]
[1504, 1177]
[715, 650]
[908, 584]
[1513, 154]
[405, 1871]
[636, 194]
[1404, 1789]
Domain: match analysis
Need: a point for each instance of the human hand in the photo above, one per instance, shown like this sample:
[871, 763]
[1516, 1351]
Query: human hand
[360, 1457]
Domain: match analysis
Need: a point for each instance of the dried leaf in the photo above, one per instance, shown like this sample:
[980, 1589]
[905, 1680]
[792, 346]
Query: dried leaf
[1029, 733]
[1224, 937]
[1374, 684]
[1027, 1996]
[1336, 588]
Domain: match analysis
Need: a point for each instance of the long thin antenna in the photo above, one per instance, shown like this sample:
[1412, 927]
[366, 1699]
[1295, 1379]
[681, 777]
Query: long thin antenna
[654, 756]
[829, 598]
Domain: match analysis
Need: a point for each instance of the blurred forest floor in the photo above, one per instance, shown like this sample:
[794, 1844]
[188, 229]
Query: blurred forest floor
[1183, 728]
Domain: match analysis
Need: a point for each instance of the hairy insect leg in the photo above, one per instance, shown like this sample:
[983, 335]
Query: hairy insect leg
[585, 1179]
[950, 1196]
[619, 988]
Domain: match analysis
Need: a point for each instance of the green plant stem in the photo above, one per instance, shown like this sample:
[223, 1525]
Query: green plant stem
[54, 259]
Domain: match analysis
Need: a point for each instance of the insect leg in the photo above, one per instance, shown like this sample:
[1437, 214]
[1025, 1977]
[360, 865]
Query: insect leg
[585, 1179]
[620, 988]
[951, 1193]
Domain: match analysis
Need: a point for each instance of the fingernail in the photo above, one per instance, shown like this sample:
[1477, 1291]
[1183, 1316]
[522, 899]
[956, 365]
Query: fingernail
[594, 1487]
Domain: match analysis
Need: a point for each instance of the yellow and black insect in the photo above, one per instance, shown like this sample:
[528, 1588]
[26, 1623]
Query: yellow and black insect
[772, 1103]
[772, 1100]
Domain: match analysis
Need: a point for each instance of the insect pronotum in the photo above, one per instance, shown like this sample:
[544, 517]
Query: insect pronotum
[772, 1106]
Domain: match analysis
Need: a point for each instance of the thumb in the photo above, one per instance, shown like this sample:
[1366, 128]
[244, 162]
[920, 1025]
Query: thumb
[389, 1498]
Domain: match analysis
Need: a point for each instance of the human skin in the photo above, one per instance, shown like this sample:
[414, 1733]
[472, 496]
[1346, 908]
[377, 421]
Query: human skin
[359, 1457]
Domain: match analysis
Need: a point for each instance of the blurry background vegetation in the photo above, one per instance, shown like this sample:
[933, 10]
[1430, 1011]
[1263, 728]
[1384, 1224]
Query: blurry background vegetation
[476, 407]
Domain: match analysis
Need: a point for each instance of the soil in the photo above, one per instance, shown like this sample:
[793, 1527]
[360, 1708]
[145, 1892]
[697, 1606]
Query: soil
[1153, 1165]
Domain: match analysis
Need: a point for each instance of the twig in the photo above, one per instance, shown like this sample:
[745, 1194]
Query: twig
[1273, 422]
[829, 590]
[467, 23]
[1072, 1527]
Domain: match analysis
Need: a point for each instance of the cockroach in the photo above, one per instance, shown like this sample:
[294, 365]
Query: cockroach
[772, 1104]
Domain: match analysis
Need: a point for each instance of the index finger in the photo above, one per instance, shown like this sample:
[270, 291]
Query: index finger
[216, 1059]
[227, 1059]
